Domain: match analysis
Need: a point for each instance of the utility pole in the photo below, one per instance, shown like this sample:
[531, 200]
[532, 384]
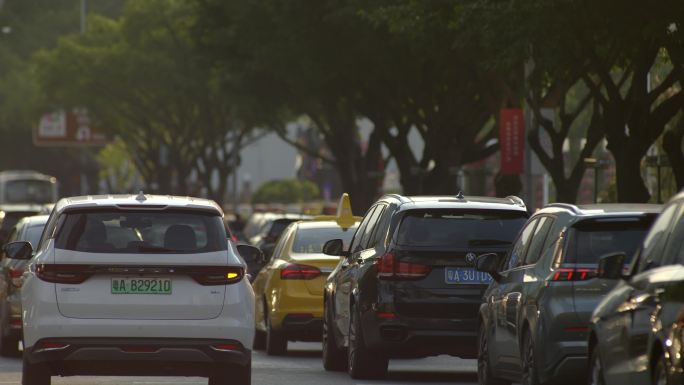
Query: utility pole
[83, 16]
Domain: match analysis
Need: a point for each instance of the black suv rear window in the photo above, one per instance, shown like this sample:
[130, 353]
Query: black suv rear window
[591, 239]
[126, 231]
[458, 228]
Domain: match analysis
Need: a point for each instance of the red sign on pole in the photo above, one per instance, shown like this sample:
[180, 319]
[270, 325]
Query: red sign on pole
[512, 141]
[67, 128]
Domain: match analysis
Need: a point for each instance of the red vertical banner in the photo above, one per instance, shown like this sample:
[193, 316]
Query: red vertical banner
[512, 141]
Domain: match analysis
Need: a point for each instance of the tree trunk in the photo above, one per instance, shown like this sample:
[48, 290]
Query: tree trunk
[630, 185]
[358, 172]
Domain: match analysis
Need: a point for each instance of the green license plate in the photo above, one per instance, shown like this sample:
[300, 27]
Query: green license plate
[141, 286]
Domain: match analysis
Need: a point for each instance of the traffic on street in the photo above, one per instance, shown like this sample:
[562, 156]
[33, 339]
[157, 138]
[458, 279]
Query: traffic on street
[280, 192]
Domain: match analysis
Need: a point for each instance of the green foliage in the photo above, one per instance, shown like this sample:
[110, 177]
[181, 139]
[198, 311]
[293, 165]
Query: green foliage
[286, 191]
[142, 79]
[117, 169]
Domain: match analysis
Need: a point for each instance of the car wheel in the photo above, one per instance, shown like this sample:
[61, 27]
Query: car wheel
[660, 376]
[530, 376]
[484, 369]
[232, 375]
[361, 362]
[334, 358]
[259, 340]
[595, 368]
[276, 342]
[34, 374]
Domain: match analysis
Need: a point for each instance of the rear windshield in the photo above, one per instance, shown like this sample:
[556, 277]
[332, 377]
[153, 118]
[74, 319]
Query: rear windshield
[12, 217]
[592, 239]
[459, 228]
[312, 240]
[116, 231]
[33, 234]
[278, 226]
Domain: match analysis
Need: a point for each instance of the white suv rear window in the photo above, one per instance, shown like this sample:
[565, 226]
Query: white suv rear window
[144, 231]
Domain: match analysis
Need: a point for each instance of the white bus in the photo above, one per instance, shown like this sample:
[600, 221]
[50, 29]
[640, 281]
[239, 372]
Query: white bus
[27, 187]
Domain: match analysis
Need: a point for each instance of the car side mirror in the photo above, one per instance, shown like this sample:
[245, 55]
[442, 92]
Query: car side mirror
[334, 248]
[489, 263]
[251, 254]
[254, 259]
[611, 266]
[19, 250]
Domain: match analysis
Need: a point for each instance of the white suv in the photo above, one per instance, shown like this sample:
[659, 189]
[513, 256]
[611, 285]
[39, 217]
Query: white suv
[136, 285]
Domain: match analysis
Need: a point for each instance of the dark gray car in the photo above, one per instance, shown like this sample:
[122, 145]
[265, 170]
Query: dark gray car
[11, 272]
[535, 316]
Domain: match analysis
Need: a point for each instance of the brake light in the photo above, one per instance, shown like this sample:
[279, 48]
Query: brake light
[44, 346]
[227, 347]
[296, 271]
[580, 274]
[16, 277]
[65, 273]
[389, 268]
[216, 275]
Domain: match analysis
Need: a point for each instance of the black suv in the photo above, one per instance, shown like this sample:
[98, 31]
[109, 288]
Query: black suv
[534, 321]
[637, 331]
[407, 286]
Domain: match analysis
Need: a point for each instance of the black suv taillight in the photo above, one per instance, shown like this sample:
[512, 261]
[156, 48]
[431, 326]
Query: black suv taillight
[389, 268]
[573, 274]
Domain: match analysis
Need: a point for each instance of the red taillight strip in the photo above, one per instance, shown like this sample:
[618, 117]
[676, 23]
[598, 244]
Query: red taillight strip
[573, 274]
[46, 346]
[296, 271]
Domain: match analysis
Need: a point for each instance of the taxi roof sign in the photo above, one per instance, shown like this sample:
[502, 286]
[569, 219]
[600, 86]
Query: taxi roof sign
[344, 218]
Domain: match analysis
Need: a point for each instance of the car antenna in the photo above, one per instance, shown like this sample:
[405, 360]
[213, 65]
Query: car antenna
[141, 197]
[460, 195]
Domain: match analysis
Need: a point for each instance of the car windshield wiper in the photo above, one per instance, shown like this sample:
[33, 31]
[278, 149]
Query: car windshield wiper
[152, 249]
[488, 242]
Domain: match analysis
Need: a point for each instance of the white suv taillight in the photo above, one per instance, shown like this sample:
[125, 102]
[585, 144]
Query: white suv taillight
[72, 274]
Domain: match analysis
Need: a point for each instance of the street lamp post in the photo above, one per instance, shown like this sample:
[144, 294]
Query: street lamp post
[83, 16]
[658, 161]
[597, 165]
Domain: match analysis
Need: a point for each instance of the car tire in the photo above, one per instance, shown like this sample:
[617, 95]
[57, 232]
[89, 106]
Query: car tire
[484, 369]
[660, 376]
[276, 342]
[363, 364]
[34, 374]
[595, 368]
[530, 374]
[334, 358]
[232, 375]
[259, 340]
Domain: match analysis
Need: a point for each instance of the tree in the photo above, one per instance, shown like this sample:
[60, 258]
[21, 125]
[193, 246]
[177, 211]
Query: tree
[425, 76]
[32, 26]
[141, 79]
[285, 59]
[611, 47]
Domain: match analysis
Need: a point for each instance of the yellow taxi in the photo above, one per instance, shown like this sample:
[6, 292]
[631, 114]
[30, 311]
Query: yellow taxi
[289, 288]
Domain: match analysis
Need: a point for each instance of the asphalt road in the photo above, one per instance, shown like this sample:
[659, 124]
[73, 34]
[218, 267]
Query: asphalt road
[301, 366]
